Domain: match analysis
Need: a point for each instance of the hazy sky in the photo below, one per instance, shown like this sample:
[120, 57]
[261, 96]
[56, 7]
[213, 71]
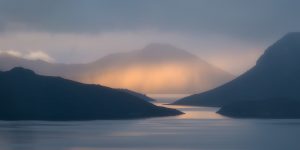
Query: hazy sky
[229, 33]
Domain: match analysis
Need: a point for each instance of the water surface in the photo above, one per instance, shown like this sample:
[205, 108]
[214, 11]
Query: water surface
[199, 129]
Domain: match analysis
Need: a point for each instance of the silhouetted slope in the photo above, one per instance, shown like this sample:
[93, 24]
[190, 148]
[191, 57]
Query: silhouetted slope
[271, 108]
[157, 68]
[139, 95]
[28, 96]
[276, 74]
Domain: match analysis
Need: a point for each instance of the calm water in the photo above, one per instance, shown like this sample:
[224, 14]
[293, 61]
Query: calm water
[199, 129]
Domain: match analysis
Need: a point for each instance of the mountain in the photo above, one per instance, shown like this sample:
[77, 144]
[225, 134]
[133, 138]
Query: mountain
[155, 69]
[276, 74]
[158, 69]
[71, 71]
[29, 96]
[139, 95]
[279, 108]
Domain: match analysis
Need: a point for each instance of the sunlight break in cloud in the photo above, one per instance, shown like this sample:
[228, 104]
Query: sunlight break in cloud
[31, 55]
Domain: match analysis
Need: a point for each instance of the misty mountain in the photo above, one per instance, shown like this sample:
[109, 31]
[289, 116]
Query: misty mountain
[157, 68]
[276, 74]
[29, 96]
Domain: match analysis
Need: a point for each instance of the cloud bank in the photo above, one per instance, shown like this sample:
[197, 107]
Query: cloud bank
[255, 20]
[31, 55]
[84, 30]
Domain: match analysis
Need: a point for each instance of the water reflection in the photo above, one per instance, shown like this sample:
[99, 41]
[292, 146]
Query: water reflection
[200, 115]
[191, 112]
[199, 129]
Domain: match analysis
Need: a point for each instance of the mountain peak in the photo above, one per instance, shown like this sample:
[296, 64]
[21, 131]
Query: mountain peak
[162, 50]
[290, 38]
[292, 35]
[285, 51]
[22, 71]
[275, 75]
[160, 46]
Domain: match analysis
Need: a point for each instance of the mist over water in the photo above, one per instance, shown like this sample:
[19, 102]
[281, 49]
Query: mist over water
[199, 129]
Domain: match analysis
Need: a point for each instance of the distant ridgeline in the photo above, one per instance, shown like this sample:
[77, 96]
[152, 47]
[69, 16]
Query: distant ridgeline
[276, 75]
[155, 69]
[28, 96]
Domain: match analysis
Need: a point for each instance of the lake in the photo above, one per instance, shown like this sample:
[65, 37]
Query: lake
[199, 129]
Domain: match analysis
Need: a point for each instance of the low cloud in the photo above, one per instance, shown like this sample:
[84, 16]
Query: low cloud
[31, 55]
[11, 53]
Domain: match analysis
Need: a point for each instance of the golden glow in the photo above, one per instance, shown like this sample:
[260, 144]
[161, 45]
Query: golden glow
[144, 79]
[166, 78]
[200, 115]
[191, 112]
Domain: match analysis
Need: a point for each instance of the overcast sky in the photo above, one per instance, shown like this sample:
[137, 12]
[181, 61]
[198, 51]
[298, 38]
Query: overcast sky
[227, 33]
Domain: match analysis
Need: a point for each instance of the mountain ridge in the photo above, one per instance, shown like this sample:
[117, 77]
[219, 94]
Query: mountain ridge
[274, 75]
[29, 96]
[153, 71]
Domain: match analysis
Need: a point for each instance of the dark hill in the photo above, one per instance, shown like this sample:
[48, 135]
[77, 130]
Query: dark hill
[276, 74]
[139, 95]
[28, 96]
[279, 108]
